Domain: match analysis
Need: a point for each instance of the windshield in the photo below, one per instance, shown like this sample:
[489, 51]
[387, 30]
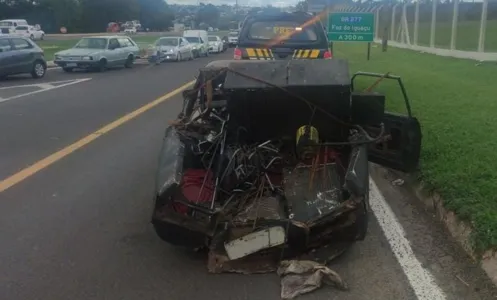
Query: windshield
[92, 43]
[5, 23]
[167, 42]
[289, 30]
[233, 34]
[194, 40]
[213, 39]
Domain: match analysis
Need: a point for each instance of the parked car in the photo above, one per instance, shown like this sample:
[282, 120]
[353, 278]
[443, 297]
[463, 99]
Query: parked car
[98, 52]
[20, 55]
[199, 41]
[130, 30]
[215, 44]
[29, 31]
[170, 49]
[9, 26]
[226, 43]
[233, 38]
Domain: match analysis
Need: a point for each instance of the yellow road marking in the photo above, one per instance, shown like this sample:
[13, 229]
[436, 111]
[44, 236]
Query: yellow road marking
[51, 159]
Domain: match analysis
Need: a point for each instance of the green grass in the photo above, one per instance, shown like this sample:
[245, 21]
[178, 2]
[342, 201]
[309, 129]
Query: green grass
[466, 39]
[455, 102]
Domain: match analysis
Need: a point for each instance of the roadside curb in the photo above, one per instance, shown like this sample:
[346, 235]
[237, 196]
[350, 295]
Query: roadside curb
[459, 230]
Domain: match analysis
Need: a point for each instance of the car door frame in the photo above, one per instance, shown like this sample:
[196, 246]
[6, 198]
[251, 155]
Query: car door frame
[113, 55]
[400, 149]
[26, 56]
[7, 57]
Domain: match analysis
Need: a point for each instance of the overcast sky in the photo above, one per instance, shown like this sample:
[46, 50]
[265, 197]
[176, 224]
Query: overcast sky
[240, 2]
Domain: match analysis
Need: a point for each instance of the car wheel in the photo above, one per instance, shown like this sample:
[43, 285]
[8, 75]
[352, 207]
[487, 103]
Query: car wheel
[67, 70]
[39, 69]
[102, 65]
[32, 37]
[129, 62]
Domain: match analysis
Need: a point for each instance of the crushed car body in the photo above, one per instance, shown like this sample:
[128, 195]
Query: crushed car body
[268, 161]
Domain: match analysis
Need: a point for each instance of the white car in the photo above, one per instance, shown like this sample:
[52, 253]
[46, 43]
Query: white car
[131, 30]
[215, 44]
[233, 38]
[30, 32]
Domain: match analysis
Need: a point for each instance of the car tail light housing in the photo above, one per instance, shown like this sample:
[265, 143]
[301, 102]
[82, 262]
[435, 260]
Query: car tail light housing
[237, 54]
[327, 55]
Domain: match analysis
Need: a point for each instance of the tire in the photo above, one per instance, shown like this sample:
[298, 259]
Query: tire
[102, 65]
[39, 69]
[32, 37]
[129, 62]
[67, 70]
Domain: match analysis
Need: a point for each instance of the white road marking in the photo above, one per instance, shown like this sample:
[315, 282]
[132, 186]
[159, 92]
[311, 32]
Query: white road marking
[420, 279]
[43, 87]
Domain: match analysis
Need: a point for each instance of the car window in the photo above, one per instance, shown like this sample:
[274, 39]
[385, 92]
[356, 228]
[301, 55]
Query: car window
[92, 43]
[193, 39]
[287, 30]
[167, 42]
[5, 45]
[233, 34]
[22, 28]
[213, 39]
[113, 43]
[131, 43]
[21, 44]
[6, 23]
[124, 42]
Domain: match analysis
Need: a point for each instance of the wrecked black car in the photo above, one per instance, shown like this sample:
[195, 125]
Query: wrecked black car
[270, 160]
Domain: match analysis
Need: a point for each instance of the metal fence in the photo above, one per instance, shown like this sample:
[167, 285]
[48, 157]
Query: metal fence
[452, 28]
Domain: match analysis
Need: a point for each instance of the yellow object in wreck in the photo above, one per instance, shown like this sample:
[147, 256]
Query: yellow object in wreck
[306, 141]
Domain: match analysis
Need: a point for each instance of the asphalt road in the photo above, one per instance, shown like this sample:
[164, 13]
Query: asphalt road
[79, 228]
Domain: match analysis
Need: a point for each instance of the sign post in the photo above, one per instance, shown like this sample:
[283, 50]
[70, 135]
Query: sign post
[351, 27]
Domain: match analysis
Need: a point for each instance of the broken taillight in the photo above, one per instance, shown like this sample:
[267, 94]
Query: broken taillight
[237, 54]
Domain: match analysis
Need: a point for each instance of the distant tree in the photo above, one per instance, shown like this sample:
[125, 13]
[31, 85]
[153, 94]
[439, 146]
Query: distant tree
[208, 14]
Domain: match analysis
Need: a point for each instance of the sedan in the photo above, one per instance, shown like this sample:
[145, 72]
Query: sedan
[20, 55]
[29, 32]
[170, 49]
[99, 53]
[215, 44]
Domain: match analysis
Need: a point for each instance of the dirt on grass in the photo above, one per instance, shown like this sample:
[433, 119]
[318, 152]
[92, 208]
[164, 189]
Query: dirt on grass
[454, 100]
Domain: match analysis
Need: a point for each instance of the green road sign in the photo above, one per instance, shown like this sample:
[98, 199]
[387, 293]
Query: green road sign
[351, 27]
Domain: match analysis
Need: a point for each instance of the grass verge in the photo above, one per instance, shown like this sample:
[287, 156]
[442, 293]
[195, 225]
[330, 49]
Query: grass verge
[452, 98]
[466, 39]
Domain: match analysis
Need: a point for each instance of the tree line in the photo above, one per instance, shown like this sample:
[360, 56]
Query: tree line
[88, 15]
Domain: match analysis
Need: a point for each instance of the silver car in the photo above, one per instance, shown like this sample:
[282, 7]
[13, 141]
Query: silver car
[99, 52]
[170, 49]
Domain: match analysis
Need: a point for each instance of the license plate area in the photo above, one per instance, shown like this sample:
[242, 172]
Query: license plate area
[71, 65]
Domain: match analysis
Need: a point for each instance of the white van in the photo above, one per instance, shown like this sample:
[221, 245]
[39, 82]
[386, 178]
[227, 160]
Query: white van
[9, 26]
[199, 41]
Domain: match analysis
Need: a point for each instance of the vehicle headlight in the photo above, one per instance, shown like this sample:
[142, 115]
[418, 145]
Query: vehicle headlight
[194, 47]
[57, 57]
[87, 58]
